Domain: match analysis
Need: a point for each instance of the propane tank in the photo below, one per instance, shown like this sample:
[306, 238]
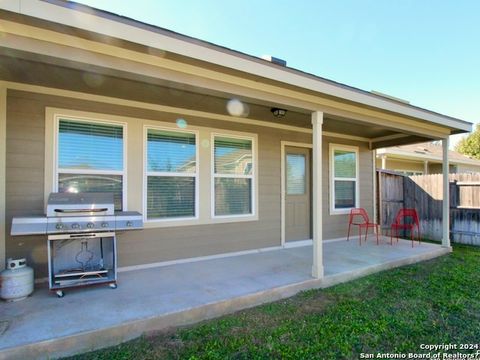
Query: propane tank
[16, 282]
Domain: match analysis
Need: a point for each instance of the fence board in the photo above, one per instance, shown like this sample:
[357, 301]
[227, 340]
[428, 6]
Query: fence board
[391, 197]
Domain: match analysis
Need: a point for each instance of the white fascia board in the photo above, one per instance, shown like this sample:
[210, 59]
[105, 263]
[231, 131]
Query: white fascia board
[410, 156]
[89, 21]
[10, 5]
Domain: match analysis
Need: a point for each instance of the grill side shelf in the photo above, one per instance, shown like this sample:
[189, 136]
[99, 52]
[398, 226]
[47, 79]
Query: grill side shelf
[31, 225]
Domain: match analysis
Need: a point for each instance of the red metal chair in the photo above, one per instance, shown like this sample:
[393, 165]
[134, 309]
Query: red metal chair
[406, 219]
[359, 217]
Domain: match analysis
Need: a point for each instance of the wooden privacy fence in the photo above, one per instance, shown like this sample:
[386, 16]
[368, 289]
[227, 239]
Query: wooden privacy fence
[425, 194]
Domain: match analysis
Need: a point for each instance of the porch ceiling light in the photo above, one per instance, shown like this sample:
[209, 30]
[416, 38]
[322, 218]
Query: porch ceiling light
[278, 113]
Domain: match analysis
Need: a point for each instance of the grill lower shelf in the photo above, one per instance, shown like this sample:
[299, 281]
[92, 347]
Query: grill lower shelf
[82, 278]
[72, 277]
[74, 273]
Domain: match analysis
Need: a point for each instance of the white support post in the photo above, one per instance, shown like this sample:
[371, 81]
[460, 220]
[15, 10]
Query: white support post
[3, 151]
[425, 167]
[374, 186]
[384, 162]
[446, 197]
[317, 122]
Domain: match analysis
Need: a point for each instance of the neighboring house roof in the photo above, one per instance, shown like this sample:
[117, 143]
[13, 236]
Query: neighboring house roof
[426, 151]
[106, 23]
[234, 158]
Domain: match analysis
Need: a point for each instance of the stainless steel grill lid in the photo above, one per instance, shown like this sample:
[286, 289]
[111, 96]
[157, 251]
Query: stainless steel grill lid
[78, 204]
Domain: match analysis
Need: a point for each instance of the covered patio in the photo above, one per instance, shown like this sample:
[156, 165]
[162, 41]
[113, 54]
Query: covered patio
[145, 77]
[44, 326]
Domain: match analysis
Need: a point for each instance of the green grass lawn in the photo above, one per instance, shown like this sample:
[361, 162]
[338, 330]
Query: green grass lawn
[434, 302]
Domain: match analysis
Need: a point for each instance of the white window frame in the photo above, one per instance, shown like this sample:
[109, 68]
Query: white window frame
[355, 149]
[147, 173]
[90, 120]
[252, 176]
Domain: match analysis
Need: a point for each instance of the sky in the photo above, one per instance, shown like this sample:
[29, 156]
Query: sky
[423, 51]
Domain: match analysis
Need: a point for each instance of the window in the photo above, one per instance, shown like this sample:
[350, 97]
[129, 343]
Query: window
[296, 174]
[90, 158]
[171, 172]
[233, 176]
[343, 178]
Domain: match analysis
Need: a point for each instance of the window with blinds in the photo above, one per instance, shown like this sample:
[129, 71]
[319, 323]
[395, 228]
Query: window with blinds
[90, 158]
[345, 177]
[233, 176]
[296, 171]
[171, 174]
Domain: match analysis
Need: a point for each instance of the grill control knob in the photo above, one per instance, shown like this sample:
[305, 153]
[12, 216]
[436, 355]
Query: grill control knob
[59, 226]
[90, 225]
[104, 224]
[76, 226]
[129, 224]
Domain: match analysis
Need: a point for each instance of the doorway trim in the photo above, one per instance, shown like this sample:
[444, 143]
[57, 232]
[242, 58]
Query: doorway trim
[284, 144]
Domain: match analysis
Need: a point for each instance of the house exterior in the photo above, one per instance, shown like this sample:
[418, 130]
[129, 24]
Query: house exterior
[92, 101]
[422, 159]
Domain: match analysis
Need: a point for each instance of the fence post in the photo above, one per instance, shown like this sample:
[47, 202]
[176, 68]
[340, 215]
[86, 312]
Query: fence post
[446, 197]
[380, 199]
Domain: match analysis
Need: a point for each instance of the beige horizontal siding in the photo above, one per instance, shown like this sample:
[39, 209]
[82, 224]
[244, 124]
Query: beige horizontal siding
[405, 165]
[467, 168]
[433, 168]
[25, 186]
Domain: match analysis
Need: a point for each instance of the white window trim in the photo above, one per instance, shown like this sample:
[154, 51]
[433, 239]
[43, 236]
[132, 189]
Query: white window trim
[253, 176]
[91, 120]
[355, 149]
[147, 173]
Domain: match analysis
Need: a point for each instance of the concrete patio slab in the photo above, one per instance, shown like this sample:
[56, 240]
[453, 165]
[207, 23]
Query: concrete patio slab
[44, 326]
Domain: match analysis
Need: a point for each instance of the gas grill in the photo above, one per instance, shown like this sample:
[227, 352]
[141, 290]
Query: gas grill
[78, 212]
[81, 238]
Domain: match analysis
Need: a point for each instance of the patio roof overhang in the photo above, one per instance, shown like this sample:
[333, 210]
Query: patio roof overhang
[59, 49]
